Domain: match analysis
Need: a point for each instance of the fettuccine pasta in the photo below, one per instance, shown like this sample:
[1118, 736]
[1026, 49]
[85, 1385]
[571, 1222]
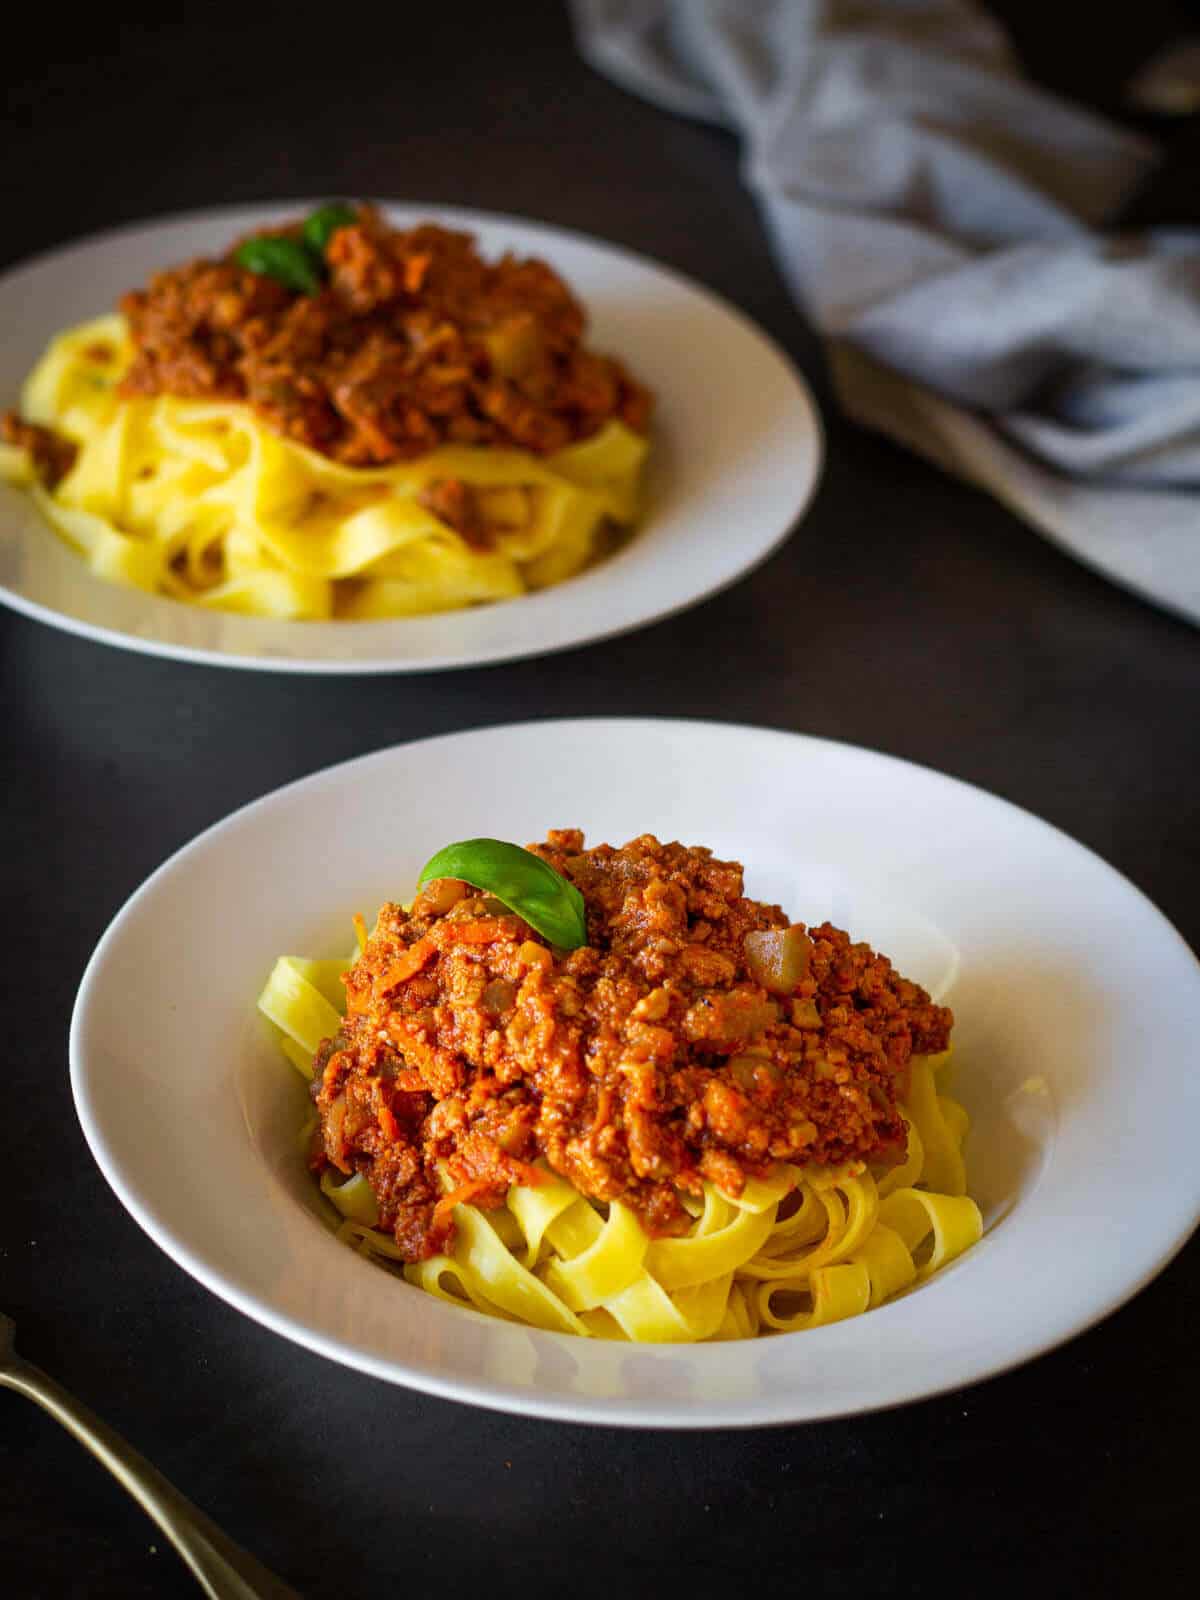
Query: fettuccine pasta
[798, 1249]
[200, 500]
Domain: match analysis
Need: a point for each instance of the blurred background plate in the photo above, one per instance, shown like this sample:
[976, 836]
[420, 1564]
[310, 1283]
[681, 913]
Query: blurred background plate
[735, 459]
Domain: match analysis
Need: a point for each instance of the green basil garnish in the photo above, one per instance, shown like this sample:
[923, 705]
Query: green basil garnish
[324, 223]
[526, 884]
[286, 260]
[297, 263]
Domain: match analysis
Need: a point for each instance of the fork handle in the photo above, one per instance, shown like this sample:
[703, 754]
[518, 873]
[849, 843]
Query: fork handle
[223, 1569]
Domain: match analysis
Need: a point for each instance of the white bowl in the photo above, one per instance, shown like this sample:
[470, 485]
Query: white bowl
[735, 460]
[1077, 1011]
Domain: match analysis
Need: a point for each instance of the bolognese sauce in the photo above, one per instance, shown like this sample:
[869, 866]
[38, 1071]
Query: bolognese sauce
[410, 340]
[51, 456]
[696, 1035]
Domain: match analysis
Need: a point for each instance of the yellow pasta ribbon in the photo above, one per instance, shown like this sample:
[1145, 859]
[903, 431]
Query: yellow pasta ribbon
[741, 1319]
[953, 1221]
[502, 1279]
[536, 1206]
[710, 1253]
[354, 1198]
[910, 1168]
[201, 501]
[836, 1292]
[606, 1268]
[851, 1206]
[300, 1058]
[432, 1276]
[297, 1006]
[943, 1167]
[647, 1314]
[888, 1263]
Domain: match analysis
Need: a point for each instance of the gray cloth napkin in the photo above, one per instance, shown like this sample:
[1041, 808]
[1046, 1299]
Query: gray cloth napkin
[935, 214]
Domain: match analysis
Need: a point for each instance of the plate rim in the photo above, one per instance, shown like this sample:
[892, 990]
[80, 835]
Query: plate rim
[495, 1395]
[309, 666]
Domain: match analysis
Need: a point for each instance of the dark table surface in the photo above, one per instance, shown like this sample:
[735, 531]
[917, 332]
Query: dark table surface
[908, 613]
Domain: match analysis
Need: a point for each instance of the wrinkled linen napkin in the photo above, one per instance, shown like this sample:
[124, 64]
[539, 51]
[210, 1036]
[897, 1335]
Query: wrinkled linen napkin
[936, 216]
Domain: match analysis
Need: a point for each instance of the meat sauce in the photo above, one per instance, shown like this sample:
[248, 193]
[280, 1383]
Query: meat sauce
[413, 341]
[637, 1066]
[50, 455]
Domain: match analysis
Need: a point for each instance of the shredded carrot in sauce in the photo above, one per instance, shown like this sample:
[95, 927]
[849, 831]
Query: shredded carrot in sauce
[413, 959]
[461, 1196]
[482, 930]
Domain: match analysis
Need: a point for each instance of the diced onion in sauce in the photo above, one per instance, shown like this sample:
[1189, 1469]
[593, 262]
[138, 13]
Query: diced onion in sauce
[438, 897]
[778, 957]
[805, 1014]
[498, 996]
[746, 1070]
[335, 1118]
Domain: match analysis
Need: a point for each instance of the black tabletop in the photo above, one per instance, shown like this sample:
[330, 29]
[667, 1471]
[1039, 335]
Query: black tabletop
[908, 613]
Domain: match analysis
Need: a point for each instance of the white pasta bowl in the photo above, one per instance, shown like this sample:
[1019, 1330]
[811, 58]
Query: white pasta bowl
[1077, 1006]
[736, 446]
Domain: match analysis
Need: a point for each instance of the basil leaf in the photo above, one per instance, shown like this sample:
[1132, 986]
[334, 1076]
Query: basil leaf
[285, 260]
[324, 223]
[525, 883]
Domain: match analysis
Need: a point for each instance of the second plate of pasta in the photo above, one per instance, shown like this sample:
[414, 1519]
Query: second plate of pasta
[252, 536]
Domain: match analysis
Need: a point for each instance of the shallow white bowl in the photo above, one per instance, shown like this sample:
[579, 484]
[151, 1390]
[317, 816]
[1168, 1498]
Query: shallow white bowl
[735, 460]
[1077, 1005]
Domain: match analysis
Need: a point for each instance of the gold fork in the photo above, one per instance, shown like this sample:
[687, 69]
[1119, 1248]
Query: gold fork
[222, 1569]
